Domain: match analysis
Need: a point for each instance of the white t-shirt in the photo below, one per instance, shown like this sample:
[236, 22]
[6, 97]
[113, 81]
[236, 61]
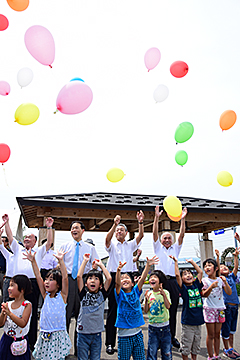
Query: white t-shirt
[166, 264]
[10, 327]
[10, 263]
[121, 252]
[215, 298]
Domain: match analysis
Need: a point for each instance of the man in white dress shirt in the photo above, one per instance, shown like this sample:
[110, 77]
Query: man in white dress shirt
[21, 266]
[121, 250]
[162, 250]
[73, 301]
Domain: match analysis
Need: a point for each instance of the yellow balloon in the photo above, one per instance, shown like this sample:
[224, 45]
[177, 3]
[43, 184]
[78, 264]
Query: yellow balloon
[27, 114]
[115, 175]
[172, 205]
[224, 178]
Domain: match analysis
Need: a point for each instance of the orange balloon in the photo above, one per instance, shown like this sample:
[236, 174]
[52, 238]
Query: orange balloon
[227, 119]
[18, 5]
[173, 218]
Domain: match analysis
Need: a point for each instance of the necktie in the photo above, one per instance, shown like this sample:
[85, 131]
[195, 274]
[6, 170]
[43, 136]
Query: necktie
[75, 262]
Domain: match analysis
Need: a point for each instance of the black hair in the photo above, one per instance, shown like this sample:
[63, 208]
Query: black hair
[136, 273]
[78, 222]
[23, 283]
[188, 270]
[161, 276]
[95, 273]
[45, 240]
[56, 275]
[5, 237]
[211, 261]
[129, 274]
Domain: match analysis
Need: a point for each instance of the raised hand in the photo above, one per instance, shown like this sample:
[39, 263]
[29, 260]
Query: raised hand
[28, 255]
[223, 279]
[49, 222]
[154, 260]
[173, 258]
[98, 262]
[237, 237]
[140, 216]
[184, 212]
[161, 289]
[5, 309]
[121, 265]
[117, 220]
[147, 295]
[215, 284]
[5, 220]
[236, 252]
[86, 257]
[60, 254]
[139, 252]
[157, 212]
[217, 252]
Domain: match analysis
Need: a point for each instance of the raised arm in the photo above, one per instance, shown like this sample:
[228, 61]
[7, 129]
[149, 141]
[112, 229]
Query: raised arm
[197, 268]
[140, 217]
[235, 269]
[154, 260]
[49, 223]
[177, 272]
[31, 257]
[64, 292]
[86, 258]
[136, 258]
[207, 292]
[110, 234]
[218, 259]
[182, 227]
[118, 277]
[7, 228]
[105, 272]
[155, 223]
[226, 288]
[146, 304]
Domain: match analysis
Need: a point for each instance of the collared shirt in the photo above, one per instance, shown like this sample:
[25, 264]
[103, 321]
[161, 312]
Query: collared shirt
[166, 264]
[121, 252]
[9, 261]
[49, 261]
[23, 266]
[84, 248]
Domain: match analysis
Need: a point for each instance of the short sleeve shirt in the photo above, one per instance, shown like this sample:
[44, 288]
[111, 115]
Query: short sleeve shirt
[233, 298]
[158, 313]
[215, 298]
[166, 264]
[121, 252]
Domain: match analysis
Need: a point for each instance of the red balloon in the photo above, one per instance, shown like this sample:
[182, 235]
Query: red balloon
[3, 22]
[4, 153]
[179, 69]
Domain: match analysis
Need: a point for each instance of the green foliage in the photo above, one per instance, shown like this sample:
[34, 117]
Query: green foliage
[238, 289]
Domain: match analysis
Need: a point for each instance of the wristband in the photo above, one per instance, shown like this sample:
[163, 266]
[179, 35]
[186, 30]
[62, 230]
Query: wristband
[49, 227]
[140, 222]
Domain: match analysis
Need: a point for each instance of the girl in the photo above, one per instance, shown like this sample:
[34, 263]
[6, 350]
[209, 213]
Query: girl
[15, 317]
[213, 305]
[53, 342]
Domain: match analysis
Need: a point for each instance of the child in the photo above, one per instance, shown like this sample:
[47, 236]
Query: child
[231, 312]
[15, 317]
[53, 342]
[129, 313]
[157, 304]
[213, 305]
[90, 322]
[192, 310]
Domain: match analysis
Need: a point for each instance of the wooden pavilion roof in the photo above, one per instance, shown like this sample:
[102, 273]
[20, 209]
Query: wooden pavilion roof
[97, 210]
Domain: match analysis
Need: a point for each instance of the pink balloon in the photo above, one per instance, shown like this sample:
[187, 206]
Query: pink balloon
[4, 88]
[40, 43]
[74, 98]
[152, 58]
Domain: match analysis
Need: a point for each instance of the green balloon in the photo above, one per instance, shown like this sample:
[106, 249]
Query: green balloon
[184, 132]
[181, 157]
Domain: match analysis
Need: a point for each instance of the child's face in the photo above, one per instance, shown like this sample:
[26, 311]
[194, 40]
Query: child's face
[209, 269]
[187, 277]
[51, 285]
[13, 290]
[224, 270]
[126, 283]
[93, 284]
[154, 281]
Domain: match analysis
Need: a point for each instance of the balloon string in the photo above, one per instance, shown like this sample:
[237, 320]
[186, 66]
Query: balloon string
[55, 111]
[4, 172]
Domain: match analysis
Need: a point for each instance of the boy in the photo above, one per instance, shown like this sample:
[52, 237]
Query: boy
[90, 322]
[192, 311]
[129, 313]
[157, 304]
[231, 312]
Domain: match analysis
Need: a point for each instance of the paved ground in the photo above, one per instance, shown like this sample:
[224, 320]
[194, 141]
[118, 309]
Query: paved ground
[176, 354]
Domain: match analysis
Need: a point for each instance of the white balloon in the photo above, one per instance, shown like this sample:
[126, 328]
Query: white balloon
[24, 76]
[160, 93]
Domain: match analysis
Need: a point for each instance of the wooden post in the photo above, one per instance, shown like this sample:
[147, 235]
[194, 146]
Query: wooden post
[206, 248]
[166, 227]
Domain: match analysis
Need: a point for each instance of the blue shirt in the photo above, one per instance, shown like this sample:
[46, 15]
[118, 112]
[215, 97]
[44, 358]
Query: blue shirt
[233, 298]
[129, 312]
[53, 314]
[192, 310]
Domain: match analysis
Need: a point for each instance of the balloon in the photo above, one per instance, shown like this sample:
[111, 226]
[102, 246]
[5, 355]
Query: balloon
[74, 98]
[3, 22]
[77, 79]
[27, 114]
[18, 5]
[179, 69]
[181, 157]
[24, 76]
[184, 132]
[160, 93]
[172, 205]
[115, 175]
[178, 218]
[227, 119]
[40, 43]
[4, 88]
[224, 178]
[4, 153]
[152, 58]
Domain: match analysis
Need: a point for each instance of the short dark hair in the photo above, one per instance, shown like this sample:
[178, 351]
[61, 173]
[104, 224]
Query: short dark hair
[95, 273]
[78, 222]
[183, 270]
[45, 240]
[160, 275]
[5, 237]
[56, 275]
[211, 261]
[23, 283]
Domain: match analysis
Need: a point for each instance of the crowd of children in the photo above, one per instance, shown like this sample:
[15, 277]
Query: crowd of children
[212, 300]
